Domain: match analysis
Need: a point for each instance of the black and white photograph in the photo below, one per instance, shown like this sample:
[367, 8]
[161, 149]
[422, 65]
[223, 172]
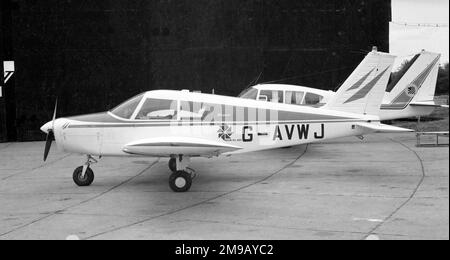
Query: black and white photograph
[224, 127]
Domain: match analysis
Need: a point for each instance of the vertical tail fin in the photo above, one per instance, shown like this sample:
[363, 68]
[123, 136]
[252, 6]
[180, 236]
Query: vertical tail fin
[418, 84]
[363, 91]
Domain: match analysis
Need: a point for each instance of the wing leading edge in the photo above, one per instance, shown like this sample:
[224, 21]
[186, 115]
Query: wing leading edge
[167, 146]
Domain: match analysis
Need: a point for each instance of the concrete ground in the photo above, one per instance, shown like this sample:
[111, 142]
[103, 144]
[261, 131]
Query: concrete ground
[381, 188]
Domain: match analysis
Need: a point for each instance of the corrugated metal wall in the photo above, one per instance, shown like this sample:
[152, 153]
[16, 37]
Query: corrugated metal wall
[95, 54]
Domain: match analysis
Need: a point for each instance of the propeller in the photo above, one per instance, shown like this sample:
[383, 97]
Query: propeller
[50, 134]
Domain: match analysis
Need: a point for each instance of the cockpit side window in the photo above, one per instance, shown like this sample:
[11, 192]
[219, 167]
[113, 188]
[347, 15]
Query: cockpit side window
[127, 108]
[250, 94]
[157, 109]
[312, 99]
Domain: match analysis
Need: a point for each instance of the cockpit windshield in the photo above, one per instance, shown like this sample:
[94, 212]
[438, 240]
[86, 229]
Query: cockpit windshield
[249, 94]
[157, 109]
[127, 108]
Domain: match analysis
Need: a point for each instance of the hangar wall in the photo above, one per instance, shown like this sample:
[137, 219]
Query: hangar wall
[94, 54]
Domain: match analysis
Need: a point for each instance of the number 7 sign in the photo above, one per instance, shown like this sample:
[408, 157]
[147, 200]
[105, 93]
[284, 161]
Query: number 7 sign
[8, 70]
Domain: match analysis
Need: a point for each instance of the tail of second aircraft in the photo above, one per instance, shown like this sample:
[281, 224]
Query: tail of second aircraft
[413, 94]
[363, 91]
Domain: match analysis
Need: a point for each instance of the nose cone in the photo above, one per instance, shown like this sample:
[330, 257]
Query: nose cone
[48, 126]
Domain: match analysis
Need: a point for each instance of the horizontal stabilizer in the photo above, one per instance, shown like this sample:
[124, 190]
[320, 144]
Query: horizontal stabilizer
[382, 128]
[167, 146]
[427, 104]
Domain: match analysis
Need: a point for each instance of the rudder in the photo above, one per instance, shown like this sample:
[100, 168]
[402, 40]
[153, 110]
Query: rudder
[418, 84]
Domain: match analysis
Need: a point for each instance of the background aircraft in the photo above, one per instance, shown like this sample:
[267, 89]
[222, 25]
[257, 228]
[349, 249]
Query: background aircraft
[412, 95]
[181, 125]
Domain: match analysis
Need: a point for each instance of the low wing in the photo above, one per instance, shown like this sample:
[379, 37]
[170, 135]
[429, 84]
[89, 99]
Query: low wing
[427, 104]
[167, 146]
[382, 128]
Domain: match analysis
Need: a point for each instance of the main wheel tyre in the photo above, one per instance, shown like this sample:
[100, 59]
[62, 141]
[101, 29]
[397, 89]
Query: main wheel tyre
[180, 181]
[173, 164]
[85, 180]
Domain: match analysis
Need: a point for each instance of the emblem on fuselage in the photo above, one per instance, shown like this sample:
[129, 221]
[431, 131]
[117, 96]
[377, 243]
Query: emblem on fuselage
[225, 132]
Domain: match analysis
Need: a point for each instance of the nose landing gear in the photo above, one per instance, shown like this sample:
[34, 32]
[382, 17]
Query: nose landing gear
[181, 178]
[83, 175]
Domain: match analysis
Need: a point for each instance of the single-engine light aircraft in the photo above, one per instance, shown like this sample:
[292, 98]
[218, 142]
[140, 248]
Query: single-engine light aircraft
[411, 96]
[180, 125]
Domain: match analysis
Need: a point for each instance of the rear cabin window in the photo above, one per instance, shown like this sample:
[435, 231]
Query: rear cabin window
[274, 96]
[294, 97]
[157, 109]
[312, 99]
[127, 108]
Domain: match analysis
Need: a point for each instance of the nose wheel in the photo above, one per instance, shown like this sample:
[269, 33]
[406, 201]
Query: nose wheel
[81, 179]
[83, 175]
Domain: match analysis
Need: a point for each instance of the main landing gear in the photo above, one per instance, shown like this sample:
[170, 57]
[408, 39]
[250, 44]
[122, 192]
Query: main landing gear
[83, 175]
[181, 178]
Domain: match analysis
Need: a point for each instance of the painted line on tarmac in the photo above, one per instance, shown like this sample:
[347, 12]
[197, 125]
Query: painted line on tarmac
[201, 202]
[80, 203]
[373, 237]
[373, 230]
[36, 168]
[368, 219]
